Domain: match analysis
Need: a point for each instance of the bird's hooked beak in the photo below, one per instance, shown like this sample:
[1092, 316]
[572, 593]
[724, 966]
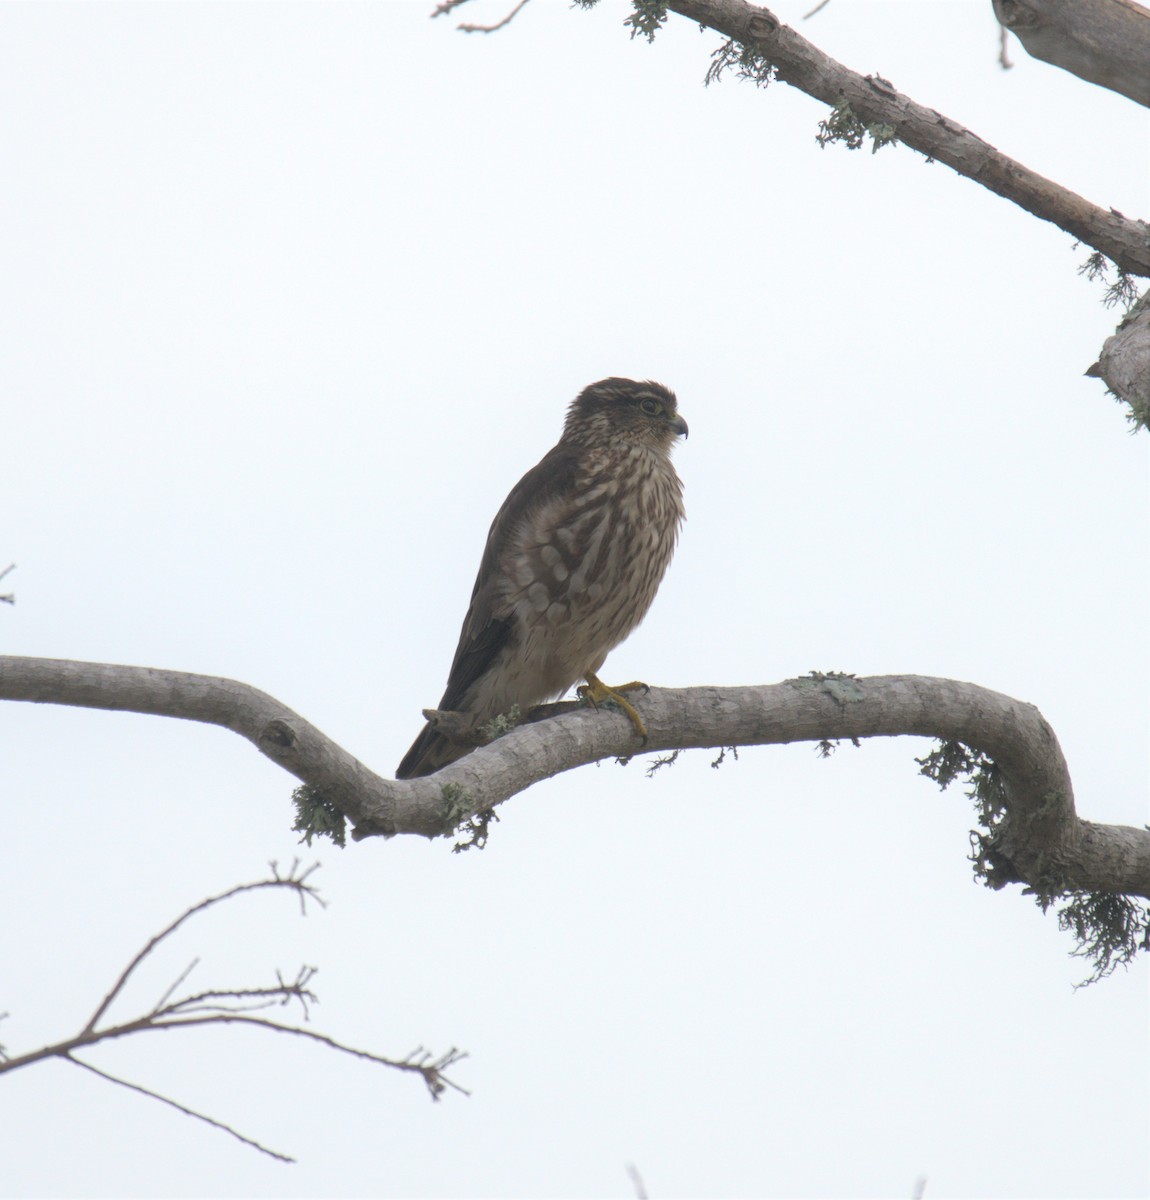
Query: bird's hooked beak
[679, 425]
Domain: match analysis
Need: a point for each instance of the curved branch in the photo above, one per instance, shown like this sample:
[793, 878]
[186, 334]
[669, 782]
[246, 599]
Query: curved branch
[801, 64]
[1042, 839]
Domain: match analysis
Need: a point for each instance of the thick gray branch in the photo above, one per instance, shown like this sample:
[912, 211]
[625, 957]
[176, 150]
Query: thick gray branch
[876, 102]
[1125, 362]
[1043, 837]
[1106, 42]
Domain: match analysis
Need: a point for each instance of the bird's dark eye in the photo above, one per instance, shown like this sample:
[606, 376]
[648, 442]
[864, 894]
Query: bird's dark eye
[651, 407]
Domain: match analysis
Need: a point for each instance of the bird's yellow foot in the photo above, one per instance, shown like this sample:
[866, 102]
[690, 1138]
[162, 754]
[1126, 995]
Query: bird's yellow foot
[595, 691]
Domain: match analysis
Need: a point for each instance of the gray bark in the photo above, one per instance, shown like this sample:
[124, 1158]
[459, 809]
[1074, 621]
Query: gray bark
[1106, 42]
[1125, 361]
[1042, 839]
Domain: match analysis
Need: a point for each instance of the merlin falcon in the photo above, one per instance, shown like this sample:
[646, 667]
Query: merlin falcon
[573, 560]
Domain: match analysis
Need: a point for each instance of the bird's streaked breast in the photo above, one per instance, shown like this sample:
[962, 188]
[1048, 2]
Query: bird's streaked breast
[583, 571]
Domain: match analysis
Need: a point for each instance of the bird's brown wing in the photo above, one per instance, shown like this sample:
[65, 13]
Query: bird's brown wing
[490, 624]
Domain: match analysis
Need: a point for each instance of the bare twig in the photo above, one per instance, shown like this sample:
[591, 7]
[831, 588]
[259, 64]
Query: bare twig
[183, 975]
[632, 1170]
[449, 6]
[1003, 50]
[188, 1112]
[8, 597]
[246, 999]
[497, 25]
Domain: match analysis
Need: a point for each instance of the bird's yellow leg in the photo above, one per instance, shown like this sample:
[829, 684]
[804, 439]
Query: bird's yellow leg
[595, 691]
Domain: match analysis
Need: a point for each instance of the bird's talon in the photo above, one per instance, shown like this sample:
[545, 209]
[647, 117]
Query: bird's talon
[595, 691]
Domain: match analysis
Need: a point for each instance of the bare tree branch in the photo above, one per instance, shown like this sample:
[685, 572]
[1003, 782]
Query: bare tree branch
[763, 49]
[228, 1006]
[768, 49]
[787, 56]
[1044, 840]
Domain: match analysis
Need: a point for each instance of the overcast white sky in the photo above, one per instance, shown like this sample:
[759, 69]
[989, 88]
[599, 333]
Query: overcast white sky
[291, 295]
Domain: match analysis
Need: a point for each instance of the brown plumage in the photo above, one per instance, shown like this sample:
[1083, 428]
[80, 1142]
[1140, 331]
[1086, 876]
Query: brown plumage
[573, 560]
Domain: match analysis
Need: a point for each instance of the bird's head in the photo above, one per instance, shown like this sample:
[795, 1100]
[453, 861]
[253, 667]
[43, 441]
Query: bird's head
[622, 410]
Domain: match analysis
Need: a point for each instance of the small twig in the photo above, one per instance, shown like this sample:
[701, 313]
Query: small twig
[187, 1006]
[1003, 53]
[817, 8]
[163, 1000]
[632, 1170]
[8, 597]
[498, 24]
[419, 1062]
[188, 1112]
[269, 997]
[441, 10]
